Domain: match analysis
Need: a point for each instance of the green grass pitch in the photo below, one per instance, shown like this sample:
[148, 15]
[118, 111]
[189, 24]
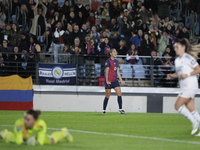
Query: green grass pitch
[133, 131]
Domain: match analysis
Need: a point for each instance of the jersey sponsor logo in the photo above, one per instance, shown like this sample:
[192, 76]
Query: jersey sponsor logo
[106, 64]
[18, 128]
[115, 68]
[193, 62]
[57, 72]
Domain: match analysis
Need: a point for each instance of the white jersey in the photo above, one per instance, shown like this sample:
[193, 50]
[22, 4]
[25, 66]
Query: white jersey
[185, 65]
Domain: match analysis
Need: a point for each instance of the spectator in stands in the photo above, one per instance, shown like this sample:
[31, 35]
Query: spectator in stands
[145, 14]
[24, 42]
[122, 21]
[184, 33]
[108, 7]
[95, 4]
[163, 8]
[1, 64]
[91, 18]
[169, 30]
[66, 8]
[122, 49]
[146, 48]
[87, 9]
[79, 7]
[72, 18]
[153, 36]
[59, 39]
[158, 75]
[78, 49]
[116, 10]
[80, 20]
[137, 38]
[98, 25]
[84, 30]
[14, 35]
[15, 5]
[7, 32]
[54, 5]
[167, 62]
[30, 68]
[30, 6]
[170, 51]
[96, 34]
[176, 26]
[24, 17]
[74, 34]
[105, 49]
[131, 4]
[156, 20]
[67, 57]
[39, 18]
[167, 21]
[89, 60]
[15, 57]
[15, 61]
[34, 46]
[132, 55]
[114, 39]
[163, 42]
[97, 14]
[5, 49]
[144, 28]
[2, 17]
[113, 26]
[47, 38]
[2, 28]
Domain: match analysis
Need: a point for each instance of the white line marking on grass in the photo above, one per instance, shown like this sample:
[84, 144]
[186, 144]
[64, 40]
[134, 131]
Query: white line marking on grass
[124, 135]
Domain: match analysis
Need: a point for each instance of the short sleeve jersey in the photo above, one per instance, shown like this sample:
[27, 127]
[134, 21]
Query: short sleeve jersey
[22, 134]
[185, 65]
[113, 65]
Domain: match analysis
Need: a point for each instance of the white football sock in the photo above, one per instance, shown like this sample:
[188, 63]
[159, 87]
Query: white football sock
[196, 115]
[185, 112]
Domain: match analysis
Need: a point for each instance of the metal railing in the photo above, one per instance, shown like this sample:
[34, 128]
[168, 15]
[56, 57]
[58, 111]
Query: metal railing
[91, 69]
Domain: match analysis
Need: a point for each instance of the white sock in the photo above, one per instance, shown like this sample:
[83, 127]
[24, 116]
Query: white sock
[185, 112]
[196, 115]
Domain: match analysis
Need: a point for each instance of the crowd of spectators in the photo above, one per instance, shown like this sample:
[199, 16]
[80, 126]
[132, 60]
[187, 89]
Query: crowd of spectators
[133, 28]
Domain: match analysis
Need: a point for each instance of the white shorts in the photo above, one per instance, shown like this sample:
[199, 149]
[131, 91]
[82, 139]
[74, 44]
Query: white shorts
[188, 93]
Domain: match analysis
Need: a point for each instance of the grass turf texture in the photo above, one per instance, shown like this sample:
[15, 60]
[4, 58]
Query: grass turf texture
[168, 126]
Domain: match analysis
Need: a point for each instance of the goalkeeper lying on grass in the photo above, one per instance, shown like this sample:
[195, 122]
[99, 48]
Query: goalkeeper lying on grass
[31, 130]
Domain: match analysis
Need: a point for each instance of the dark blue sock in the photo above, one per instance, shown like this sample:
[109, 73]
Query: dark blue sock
[105, 102]
[119, 99]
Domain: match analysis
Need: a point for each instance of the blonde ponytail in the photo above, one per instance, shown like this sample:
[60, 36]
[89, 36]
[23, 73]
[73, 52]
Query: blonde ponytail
[193, 50]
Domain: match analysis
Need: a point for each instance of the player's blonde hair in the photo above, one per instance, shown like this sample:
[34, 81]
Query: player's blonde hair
[193, 50]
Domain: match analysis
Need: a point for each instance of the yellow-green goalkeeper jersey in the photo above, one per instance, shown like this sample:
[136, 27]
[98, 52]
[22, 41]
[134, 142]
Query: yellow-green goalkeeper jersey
[22, 134]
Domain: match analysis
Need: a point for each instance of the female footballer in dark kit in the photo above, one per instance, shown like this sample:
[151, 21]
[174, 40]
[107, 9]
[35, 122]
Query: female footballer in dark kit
[111, 81]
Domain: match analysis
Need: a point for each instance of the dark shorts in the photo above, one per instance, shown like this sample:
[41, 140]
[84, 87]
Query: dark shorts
[112, 86]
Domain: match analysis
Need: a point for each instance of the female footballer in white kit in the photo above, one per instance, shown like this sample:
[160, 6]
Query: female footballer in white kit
[187, 69]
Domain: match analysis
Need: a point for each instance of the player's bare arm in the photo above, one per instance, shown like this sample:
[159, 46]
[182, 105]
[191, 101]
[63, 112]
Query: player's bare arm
[107, 70]
[120, 78]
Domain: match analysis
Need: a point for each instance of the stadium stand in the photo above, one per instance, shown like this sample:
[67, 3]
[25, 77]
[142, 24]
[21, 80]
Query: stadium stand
[83, 32]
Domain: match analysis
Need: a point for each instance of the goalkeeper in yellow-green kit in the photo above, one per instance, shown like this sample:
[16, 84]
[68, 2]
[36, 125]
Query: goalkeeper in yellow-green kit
[31, 130]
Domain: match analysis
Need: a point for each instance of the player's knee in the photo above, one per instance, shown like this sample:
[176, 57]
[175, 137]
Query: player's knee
[108, 95]
[176, 106]
[119, 94]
